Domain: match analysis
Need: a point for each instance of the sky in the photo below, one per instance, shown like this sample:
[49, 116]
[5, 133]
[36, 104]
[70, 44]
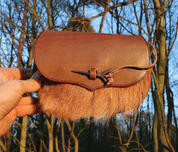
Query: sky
[173, 61]
[173, 68]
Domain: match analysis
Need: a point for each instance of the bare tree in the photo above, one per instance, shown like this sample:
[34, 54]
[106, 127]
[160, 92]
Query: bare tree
[21, 23]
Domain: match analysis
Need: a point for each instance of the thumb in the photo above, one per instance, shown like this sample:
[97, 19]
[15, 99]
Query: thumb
[34, 83]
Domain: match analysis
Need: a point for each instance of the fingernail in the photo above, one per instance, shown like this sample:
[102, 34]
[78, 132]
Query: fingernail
[36, 75]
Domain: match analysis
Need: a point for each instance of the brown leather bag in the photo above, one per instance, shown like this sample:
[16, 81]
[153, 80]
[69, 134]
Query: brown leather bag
[91, 74]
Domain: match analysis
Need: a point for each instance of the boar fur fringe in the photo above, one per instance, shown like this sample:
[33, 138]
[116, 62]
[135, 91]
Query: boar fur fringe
[72, 102]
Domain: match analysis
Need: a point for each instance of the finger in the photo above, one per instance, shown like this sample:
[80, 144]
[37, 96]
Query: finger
[26, 106]
[27, 110]
[19, 87]
[28, 101]
[15, 73]
[8, 73]
[3, 77]
[10, 94]
[24, 110]
[34, 83]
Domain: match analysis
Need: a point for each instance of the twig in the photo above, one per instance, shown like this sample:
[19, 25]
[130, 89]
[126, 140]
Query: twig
[3, 146]
[104, 15]
[131, 23]
[19, 142]
[143, 147]
[117, 5]
[56, 139]
[123, 25]
[13, 41]
[118, 130]
[112, 7]
[12, 23]
[172, 43]
[133, 127]
[122, 4]
[32, 142]
[155, 78]
[146, 17]
[63, 138]
[7, 59]
[35, 15]
[72, 134]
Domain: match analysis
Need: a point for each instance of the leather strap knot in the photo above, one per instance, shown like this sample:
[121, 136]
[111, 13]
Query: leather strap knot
[93, 72]
[106, 76]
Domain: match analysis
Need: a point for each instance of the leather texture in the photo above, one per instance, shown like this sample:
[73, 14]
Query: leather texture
[57, 53]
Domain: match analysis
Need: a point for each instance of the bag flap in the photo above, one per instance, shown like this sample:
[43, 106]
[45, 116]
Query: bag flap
[57, 53]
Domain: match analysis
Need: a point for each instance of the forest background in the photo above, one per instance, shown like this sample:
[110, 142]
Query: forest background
[152, 128]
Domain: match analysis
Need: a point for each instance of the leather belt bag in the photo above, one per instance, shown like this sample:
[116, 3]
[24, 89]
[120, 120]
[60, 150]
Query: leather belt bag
[91, 74]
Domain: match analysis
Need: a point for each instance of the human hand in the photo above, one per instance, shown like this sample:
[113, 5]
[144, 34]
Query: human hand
[12, 104]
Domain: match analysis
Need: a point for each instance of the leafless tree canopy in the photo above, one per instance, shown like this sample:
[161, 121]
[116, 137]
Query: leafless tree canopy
[153, 127]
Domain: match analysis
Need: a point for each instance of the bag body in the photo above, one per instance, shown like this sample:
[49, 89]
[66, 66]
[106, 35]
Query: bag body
[91, 74]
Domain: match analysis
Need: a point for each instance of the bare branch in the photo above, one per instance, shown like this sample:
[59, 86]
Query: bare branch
[146, 16]
[12, 23]
[13, 41]
[112, 7]
[169, 51]
[34, 12]
[105, 11]
[132, 23]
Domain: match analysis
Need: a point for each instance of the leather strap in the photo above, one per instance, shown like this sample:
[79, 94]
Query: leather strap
[140, 67]
[110, 75]
[107, 76]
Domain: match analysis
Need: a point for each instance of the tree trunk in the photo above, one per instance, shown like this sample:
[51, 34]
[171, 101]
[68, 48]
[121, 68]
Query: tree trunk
[170, 104]
[63, 138]
[50, 23]
[19, 63]
[155, 132]
[161, 40]
[49, 122]
[23, 134]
